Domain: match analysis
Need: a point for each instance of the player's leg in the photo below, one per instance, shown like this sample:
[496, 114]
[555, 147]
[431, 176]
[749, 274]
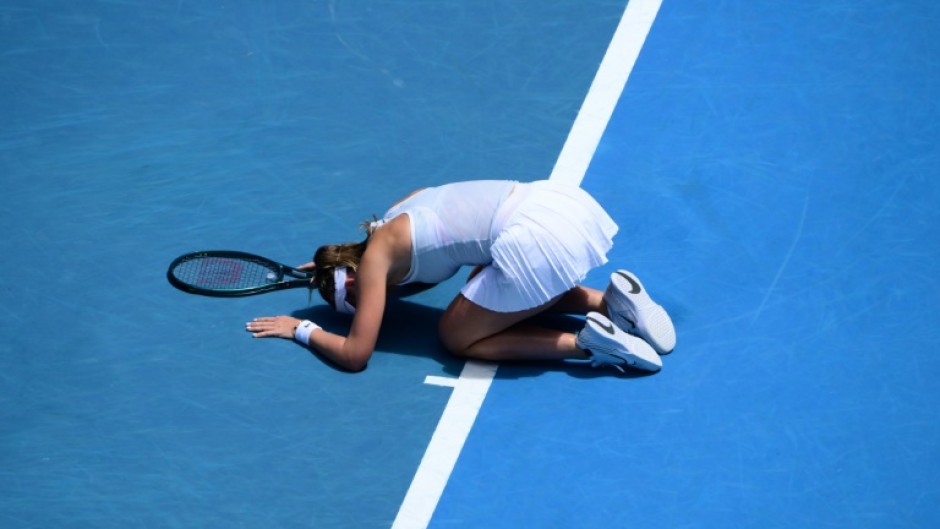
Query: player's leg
[470, 330]
[580, 300]
[467, 329]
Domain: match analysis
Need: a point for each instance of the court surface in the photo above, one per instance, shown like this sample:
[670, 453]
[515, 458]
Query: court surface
[772, 169]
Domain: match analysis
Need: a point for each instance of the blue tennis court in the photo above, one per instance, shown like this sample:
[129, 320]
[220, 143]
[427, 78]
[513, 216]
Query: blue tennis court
[772, 169]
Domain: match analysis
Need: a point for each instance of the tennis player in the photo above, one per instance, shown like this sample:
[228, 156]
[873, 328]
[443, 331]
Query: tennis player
[530, 243]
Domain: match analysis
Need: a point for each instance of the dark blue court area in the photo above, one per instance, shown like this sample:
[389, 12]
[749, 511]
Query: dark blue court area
[773, 168]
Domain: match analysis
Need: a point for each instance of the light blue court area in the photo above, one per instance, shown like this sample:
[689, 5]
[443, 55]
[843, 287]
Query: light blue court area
[772, 169]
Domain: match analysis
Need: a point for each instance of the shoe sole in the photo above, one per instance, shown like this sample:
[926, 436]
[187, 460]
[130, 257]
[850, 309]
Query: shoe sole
[641, 355]
[653, 322]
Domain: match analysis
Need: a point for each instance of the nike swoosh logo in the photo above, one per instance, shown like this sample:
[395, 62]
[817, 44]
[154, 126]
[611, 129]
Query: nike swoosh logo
[607, 326]
[634, 286]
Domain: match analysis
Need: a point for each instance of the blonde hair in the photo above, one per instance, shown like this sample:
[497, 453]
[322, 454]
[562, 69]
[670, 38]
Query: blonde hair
[332, 256]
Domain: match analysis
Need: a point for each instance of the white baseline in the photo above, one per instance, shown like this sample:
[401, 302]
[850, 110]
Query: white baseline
[476, 377]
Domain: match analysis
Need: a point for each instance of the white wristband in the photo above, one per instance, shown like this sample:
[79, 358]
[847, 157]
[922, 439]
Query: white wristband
[303, 330]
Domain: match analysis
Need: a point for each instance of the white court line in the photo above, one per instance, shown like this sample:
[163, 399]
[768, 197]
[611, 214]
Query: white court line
[441, 381]
[471, 387]
[445, 446]
[605, 91]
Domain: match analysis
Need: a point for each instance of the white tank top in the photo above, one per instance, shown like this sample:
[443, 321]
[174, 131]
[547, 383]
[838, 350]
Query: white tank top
[451, 226]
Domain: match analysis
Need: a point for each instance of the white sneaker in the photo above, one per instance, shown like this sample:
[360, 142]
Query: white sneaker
[631, 309]
[609, 345]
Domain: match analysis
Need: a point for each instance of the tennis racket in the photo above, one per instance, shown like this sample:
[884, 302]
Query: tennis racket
[232, 274]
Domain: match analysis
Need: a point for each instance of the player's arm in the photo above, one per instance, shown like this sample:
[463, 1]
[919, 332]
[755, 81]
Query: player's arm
[350, 352]
[354, 351]
[330, 345]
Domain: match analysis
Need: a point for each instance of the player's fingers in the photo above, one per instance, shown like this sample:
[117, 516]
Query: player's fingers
[256, 326]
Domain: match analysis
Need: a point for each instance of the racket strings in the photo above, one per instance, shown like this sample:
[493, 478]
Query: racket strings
[224, 273]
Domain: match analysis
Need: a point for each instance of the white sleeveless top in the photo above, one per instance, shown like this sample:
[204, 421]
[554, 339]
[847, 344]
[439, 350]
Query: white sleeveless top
[451, 226]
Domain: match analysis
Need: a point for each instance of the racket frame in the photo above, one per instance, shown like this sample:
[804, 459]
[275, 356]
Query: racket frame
[300, 279]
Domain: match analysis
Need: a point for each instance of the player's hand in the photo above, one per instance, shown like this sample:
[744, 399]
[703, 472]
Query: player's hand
[273, 327]
[309, 267]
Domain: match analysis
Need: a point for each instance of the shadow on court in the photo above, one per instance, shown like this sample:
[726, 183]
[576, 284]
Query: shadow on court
[411, 329]
[407, 329]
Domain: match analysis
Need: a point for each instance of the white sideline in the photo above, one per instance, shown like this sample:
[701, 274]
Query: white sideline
[471, 387]
[605, 91]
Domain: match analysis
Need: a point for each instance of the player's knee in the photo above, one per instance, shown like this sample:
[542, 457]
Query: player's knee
[458, 350]
[451, 338]
[455, 347]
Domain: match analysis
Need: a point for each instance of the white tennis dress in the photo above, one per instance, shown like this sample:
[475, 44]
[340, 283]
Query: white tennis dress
[538, 239]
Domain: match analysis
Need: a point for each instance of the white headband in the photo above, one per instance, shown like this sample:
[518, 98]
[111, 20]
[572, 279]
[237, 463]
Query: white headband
[339, 299]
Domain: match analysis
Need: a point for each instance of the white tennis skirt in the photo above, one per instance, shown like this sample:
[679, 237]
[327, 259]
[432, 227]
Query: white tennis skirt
[548, 237]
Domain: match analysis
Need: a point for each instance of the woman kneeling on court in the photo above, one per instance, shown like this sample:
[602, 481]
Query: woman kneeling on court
[531, 243]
